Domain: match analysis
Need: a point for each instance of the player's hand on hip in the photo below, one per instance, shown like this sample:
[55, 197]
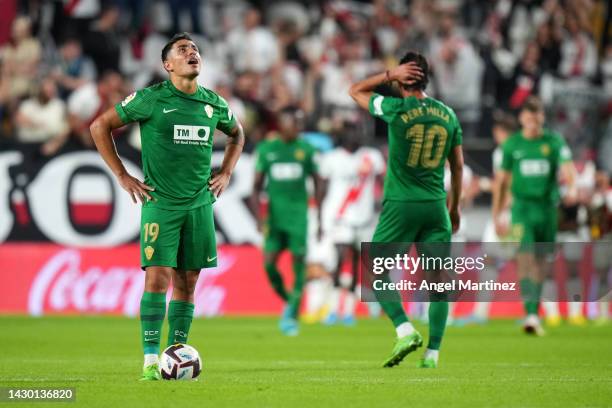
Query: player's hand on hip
[455, 217]
[135, 187]
[219, 183]
[408, 73]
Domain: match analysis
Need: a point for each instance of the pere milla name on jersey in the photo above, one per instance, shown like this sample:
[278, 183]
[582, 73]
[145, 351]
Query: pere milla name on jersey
[420, 111]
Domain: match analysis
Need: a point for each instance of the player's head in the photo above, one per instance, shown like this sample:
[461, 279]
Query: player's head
[181, 56]
[531, 116]
[421, 62]
[504, 124]
[350, 136]
[290, 123]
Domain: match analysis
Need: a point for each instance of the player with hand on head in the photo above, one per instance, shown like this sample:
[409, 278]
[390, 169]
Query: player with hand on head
[177, 121]
[531, 161]
[423, 133]
[284, 164]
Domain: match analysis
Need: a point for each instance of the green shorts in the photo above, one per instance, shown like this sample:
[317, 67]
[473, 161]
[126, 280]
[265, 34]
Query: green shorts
[534, 225]
[425, 223]
[413, 221]
[277, 238]
[182, 239]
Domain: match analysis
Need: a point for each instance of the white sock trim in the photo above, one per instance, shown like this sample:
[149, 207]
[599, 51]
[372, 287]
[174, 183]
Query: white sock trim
[429, 353]
[150, 359]
[404, 329]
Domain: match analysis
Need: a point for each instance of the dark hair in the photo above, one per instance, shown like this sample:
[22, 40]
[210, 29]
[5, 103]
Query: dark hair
[421, 62]
[533, 104]
[169, 44]
[505, 120]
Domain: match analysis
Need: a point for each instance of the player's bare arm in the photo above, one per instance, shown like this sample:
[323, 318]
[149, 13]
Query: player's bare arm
[455, 159]
[501, 186]
[101, 129]
[258, 185]
[406, 74]
[235, 142]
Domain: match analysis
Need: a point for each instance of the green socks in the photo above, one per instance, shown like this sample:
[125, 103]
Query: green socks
[276, 280]
[531, 292]
[180, 316]
[299, 270]
[438, 312]
[152, 311]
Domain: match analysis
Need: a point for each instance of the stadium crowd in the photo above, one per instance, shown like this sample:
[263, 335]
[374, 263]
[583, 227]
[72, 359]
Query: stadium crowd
[62, 63]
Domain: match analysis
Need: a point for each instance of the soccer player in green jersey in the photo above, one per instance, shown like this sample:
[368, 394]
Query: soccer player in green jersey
[285, 164]
[177, 120]
[531, 161]
[423, 133]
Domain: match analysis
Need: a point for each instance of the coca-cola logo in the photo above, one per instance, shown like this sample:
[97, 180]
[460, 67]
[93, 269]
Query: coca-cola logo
[62, 285]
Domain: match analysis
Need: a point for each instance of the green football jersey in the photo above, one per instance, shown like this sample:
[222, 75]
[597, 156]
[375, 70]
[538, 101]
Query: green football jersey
[286, 167]
[534, 164]
[422, 133]
[176, 130]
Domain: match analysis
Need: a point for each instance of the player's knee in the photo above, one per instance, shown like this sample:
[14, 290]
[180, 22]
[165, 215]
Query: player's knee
[157, 280]
[191, 281]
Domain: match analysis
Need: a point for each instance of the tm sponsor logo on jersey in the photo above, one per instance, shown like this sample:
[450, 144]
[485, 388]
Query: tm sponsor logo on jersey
[193, 135]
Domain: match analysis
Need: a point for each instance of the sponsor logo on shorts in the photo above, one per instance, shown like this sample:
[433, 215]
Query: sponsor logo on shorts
[209, 259]
[149, 250]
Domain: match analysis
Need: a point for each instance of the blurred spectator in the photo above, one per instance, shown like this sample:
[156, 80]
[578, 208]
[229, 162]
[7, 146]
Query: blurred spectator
[73, 68]
[525, 79]
[606, 70]
[578, 52]
[457, 74]
[193, 7]
[20, 60]
[42, 119]
[252, 46]
[549, 40]
[89, 101]
[102, 42]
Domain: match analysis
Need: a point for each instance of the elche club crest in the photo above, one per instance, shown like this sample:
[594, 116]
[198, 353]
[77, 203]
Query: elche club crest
[209, 111]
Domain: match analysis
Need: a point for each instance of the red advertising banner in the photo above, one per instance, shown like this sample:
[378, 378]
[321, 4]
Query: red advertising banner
[41, 278]
[46, 278]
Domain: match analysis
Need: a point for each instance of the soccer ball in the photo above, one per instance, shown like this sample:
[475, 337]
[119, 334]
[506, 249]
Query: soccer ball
[180, 362]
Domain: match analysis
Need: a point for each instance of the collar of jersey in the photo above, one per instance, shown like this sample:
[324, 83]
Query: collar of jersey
[197, 96]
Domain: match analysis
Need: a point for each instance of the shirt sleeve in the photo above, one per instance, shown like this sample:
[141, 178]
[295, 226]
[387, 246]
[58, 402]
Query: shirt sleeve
[385, 107]
[137, 106]
[507, 160]
[260, 160]
[313, 162]
[565, 154]
[227, 120]
[458, 134]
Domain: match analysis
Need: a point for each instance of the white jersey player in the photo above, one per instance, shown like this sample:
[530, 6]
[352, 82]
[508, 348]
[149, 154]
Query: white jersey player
[349, 215]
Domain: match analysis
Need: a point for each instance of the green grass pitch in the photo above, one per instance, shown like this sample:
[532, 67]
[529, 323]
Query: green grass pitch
[248, 363]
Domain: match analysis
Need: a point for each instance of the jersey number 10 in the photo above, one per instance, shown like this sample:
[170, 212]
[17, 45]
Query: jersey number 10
[422, 146]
